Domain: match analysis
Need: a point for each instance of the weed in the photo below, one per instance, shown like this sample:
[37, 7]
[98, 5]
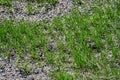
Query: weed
[79, 1]
[25, 69]
[29, 8]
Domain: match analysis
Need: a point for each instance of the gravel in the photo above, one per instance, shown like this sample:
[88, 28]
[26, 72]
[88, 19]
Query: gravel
[10, 71]
[46, 11]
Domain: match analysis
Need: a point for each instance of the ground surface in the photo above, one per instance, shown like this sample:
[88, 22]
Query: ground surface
[18, 10]
[9, 71]
[64, 40]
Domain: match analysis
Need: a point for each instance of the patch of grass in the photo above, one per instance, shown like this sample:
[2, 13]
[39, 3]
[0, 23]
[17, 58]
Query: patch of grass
[25, 69]
[79, 1]
[8, 9]
[5, 2]
[25, 35]
[49, 57]
[43, 1]
[61, 75]
[29, 8]
[49, 1]
[34, 55]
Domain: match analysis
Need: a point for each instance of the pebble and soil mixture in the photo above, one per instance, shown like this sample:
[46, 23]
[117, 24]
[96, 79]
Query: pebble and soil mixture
[37, 11]
[18, 10]
[14, 67]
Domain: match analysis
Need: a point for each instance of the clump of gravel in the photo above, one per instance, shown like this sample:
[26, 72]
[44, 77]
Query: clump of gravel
[10, 71]
[18, 10]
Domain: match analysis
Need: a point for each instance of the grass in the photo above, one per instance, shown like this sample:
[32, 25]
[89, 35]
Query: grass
[88, 40]
[25, 69]
[62, 75]
[49, 1]
[5, 2]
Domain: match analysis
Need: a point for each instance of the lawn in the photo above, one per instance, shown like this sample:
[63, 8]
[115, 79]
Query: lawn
[79, 45]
